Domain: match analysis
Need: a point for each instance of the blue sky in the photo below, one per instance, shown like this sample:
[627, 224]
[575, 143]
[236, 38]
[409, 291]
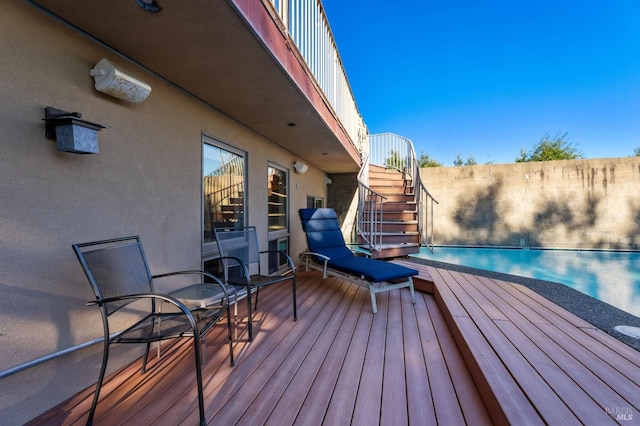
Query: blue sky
[489, 78]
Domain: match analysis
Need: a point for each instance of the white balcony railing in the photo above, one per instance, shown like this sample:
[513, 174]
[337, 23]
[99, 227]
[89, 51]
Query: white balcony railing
[308, 27]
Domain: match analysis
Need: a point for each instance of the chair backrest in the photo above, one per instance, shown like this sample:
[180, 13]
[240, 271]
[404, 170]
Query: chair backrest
[323, 232]
[241, 243]
[114, 268]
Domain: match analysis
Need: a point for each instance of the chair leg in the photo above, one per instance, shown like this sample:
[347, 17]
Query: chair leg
[203, 348]
[96, 395]
[249, 315]
[146, 357]
[295, 306]
[255, 306]
[413, 293]
[235, 316]
[196, 348]
[232, 362]
[374, 305]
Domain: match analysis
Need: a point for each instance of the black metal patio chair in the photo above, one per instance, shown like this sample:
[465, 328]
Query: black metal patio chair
[240, 256]
[119, 275]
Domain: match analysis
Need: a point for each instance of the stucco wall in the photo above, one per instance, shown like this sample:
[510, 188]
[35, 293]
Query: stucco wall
[145, 181]
[570, 204]
[343, 198]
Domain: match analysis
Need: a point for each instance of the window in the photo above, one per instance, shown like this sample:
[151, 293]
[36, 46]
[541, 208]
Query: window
[315, 202]
[278, 201]
[276, 261]
[278, 211]
[223, 187]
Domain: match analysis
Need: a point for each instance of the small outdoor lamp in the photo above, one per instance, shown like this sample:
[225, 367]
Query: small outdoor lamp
[71, 132]
[300, 167]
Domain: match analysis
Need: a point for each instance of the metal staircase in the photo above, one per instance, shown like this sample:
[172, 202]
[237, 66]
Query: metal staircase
[395, 210]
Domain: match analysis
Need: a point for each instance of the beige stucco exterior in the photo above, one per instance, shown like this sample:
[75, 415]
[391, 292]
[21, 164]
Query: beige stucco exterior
[591, 203]
[146, 180]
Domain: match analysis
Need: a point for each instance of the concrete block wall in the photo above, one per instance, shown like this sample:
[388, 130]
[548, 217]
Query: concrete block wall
[592, 203]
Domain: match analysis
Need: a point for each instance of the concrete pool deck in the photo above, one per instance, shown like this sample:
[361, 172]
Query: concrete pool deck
[598, 313]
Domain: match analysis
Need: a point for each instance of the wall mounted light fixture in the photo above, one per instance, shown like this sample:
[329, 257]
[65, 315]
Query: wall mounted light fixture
[300, 167]
[114, 82]
[71, 132]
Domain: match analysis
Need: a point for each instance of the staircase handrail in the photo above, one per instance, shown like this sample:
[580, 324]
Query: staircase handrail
[369, 221]
[424, 201]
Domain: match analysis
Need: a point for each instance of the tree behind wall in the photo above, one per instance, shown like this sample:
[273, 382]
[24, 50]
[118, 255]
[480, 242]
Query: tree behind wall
[551, 148]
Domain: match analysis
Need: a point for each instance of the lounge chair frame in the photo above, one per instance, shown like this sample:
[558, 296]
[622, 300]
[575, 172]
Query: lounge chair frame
[398, 277]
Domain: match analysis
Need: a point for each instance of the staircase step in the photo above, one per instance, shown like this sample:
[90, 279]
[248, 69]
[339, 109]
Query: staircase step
[393, 250]
[398, 207]
[397, 216]
[390, 175]
[392, 190]
[395, 227]
[396, 238]
[398, 198]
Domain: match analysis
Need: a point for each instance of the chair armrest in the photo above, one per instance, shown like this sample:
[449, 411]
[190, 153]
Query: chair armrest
[245, 270]
[292, 266]
[324, 259]
[152, 296]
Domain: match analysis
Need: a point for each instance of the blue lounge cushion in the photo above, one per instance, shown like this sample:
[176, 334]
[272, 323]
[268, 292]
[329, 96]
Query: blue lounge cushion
[371, 269]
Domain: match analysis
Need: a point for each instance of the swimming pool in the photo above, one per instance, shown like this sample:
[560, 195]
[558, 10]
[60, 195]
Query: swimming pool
[610, 276]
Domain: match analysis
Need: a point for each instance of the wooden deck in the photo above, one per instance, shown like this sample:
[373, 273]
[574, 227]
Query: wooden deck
[533, 361]
[476, 351]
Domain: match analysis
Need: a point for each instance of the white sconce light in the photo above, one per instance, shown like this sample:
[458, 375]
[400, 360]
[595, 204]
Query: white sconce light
[300, 167]
[116, 83]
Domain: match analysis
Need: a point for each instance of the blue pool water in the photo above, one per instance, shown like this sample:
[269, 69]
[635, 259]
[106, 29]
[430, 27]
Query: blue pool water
[609, 276]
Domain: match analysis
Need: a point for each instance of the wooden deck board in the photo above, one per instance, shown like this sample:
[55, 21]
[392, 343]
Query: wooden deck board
[264, 361]
[505, 399]
[289, 405]
[317, 399]
[484, 313]
[477, 351]
[368, 401]
[461, 381]
[548, 350]
[587, 344]
[289, 385]
[394, 394]
[419, 390]
[566, 378]
[543, 354]
[340, 408]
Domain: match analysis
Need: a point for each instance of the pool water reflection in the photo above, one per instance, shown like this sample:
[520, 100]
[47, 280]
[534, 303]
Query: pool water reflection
[610, 276]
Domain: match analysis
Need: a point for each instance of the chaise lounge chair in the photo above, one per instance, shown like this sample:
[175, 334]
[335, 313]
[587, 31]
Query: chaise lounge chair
[329, 253]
